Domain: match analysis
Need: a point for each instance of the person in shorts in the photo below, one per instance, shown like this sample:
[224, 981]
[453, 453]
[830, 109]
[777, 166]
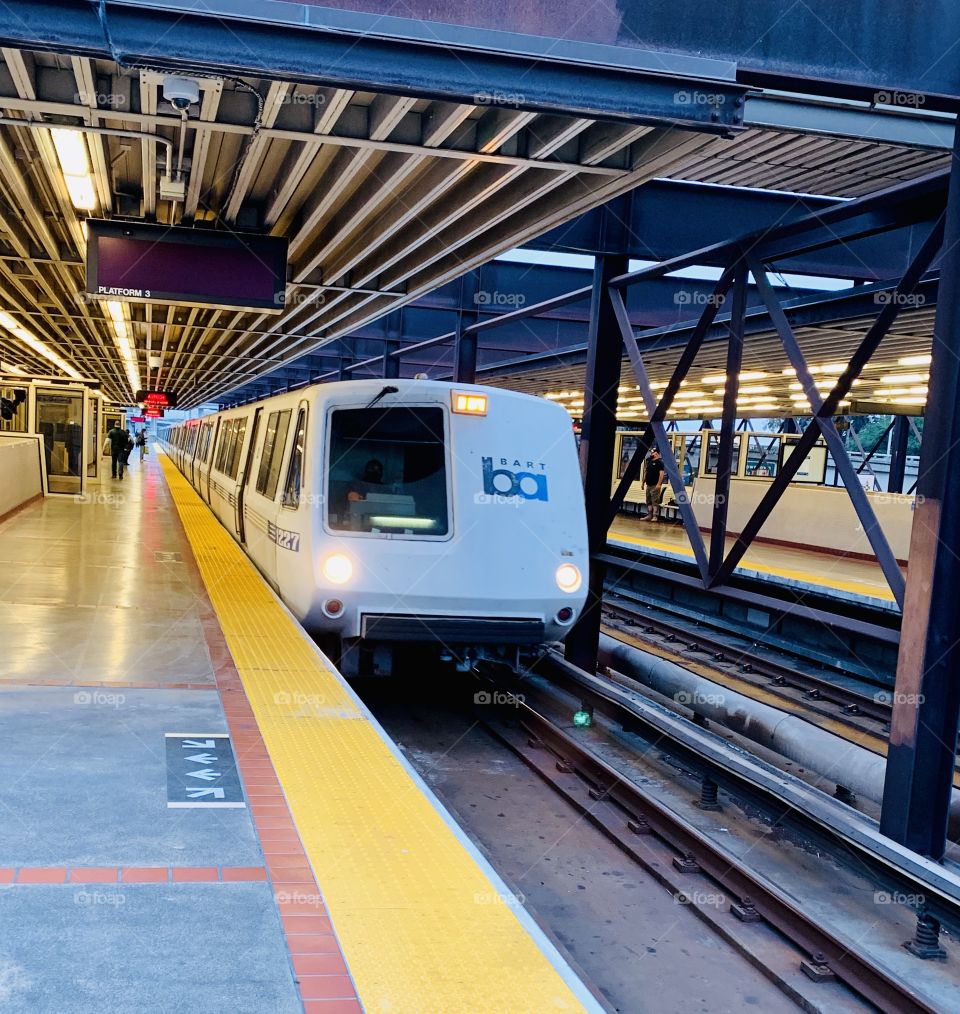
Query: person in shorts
[653, 481]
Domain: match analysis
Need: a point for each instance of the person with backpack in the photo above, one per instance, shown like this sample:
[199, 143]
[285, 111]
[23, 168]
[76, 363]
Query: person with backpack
[142, 443]
[118, 438]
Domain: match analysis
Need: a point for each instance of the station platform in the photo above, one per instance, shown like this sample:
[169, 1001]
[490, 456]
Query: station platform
[199, 813]
[826, 573]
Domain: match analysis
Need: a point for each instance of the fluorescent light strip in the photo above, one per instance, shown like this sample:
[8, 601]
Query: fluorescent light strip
[11, 325]
[75, 165]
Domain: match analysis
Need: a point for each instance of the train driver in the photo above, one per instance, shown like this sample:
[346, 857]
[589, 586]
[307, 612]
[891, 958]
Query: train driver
[370, 482]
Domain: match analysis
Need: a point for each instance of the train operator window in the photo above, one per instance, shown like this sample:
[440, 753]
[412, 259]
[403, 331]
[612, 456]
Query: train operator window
[274, 442]
[291, 488]
[388, 472]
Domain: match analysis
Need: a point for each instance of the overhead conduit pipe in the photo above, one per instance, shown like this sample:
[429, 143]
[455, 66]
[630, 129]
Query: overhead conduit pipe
[832, 757]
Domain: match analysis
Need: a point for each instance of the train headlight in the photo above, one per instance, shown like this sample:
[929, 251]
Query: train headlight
[568, 577]
[338, 569]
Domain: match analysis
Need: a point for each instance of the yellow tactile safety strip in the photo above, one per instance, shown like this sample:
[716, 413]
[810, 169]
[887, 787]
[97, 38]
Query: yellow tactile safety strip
[858, 587]
[422, 927]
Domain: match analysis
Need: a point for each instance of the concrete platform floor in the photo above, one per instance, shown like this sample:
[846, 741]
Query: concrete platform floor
[109, 899]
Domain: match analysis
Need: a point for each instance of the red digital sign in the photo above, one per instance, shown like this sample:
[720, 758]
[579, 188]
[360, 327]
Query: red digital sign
[153, 413]
[137, 419]
[157, 399]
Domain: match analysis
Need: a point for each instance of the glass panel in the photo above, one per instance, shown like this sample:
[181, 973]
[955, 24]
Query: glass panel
[222, 446]
[93, 450]
[627, 447]
[13, 410]
[387, 471]
[763, 456]
[268, 441]
[713, 453]
[291, 488]
[240, 428]
[690, 466]
[60, 423]
[276, 458]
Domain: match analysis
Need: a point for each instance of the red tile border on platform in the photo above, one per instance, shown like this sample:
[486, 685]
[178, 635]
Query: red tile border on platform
[131, 874]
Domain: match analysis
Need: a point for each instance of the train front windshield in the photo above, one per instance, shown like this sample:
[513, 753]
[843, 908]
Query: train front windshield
[388, 472]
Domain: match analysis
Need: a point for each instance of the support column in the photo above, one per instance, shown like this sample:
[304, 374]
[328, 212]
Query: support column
[465, 347]
[597, 445]
[391, 364]
[926, 710]
[898, 453]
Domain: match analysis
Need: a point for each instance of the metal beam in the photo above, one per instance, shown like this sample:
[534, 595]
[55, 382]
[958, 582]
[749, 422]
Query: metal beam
[898, 453]
[597, 440]
[922, 750]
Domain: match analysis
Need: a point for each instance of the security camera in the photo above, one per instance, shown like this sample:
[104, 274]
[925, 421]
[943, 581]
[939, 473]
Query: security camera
[181, 92]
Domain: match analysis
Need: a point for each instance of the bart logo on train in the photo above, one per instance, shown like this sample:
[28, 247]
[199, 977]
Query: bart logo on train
[503, 482]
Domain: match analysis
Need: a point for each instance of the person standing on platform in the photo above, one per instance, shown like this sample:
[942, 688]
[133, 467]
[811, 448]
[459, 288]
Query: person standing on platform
[118, 448]
[653, 480]
[142, 443]
[127, 450]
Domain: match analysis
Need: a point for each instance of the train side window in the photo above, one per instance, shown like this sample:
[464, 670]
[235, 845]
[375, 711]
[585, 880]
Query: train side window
[269, 436]
[268, 477]
[218, 448]
[291, 488]
[763, 456]
[240, 429]
[388, 472]
[713, 453]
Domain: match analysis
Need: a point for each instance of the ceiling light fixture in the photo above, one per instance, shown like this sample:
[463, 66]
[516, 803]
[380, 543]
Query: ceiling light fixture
[75, 166]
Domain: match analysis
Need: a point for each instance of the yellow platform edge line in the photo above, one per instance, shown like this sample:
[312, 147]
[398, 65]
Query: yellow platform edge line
[857, 587]
[425, 923]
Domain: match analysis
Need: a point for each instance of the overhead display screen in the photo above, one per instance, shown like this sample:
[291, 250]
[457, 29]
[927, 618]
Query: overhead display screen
[145, 263]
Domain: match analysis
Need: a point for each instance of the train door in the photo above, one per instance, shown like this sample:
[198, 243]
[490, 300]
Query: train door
[245, 476]
[211, 444]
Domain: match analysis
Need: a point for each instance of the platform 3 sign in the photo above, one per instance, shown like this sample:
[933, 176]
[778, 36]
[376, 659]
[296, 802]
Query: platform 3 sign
[201, 771]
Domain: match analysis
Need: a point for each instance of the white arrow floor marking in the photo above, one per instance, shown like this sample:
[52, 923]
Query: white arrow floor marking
[196, 791]
[207, 774]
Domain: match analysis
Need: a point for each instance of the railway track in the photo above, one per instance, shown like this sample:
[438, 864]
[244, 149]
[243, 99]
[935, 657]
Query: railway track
[587, 780]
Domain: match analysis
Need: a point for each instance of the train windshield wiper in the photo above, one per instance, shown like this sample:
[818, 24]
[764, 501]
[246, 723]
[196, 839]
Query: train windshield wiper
[389, 389]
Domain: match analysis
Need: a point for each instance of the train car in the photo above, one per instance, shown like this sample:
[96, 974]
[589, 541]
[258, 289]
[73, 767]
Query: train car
[402, 512]
[810, 515]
